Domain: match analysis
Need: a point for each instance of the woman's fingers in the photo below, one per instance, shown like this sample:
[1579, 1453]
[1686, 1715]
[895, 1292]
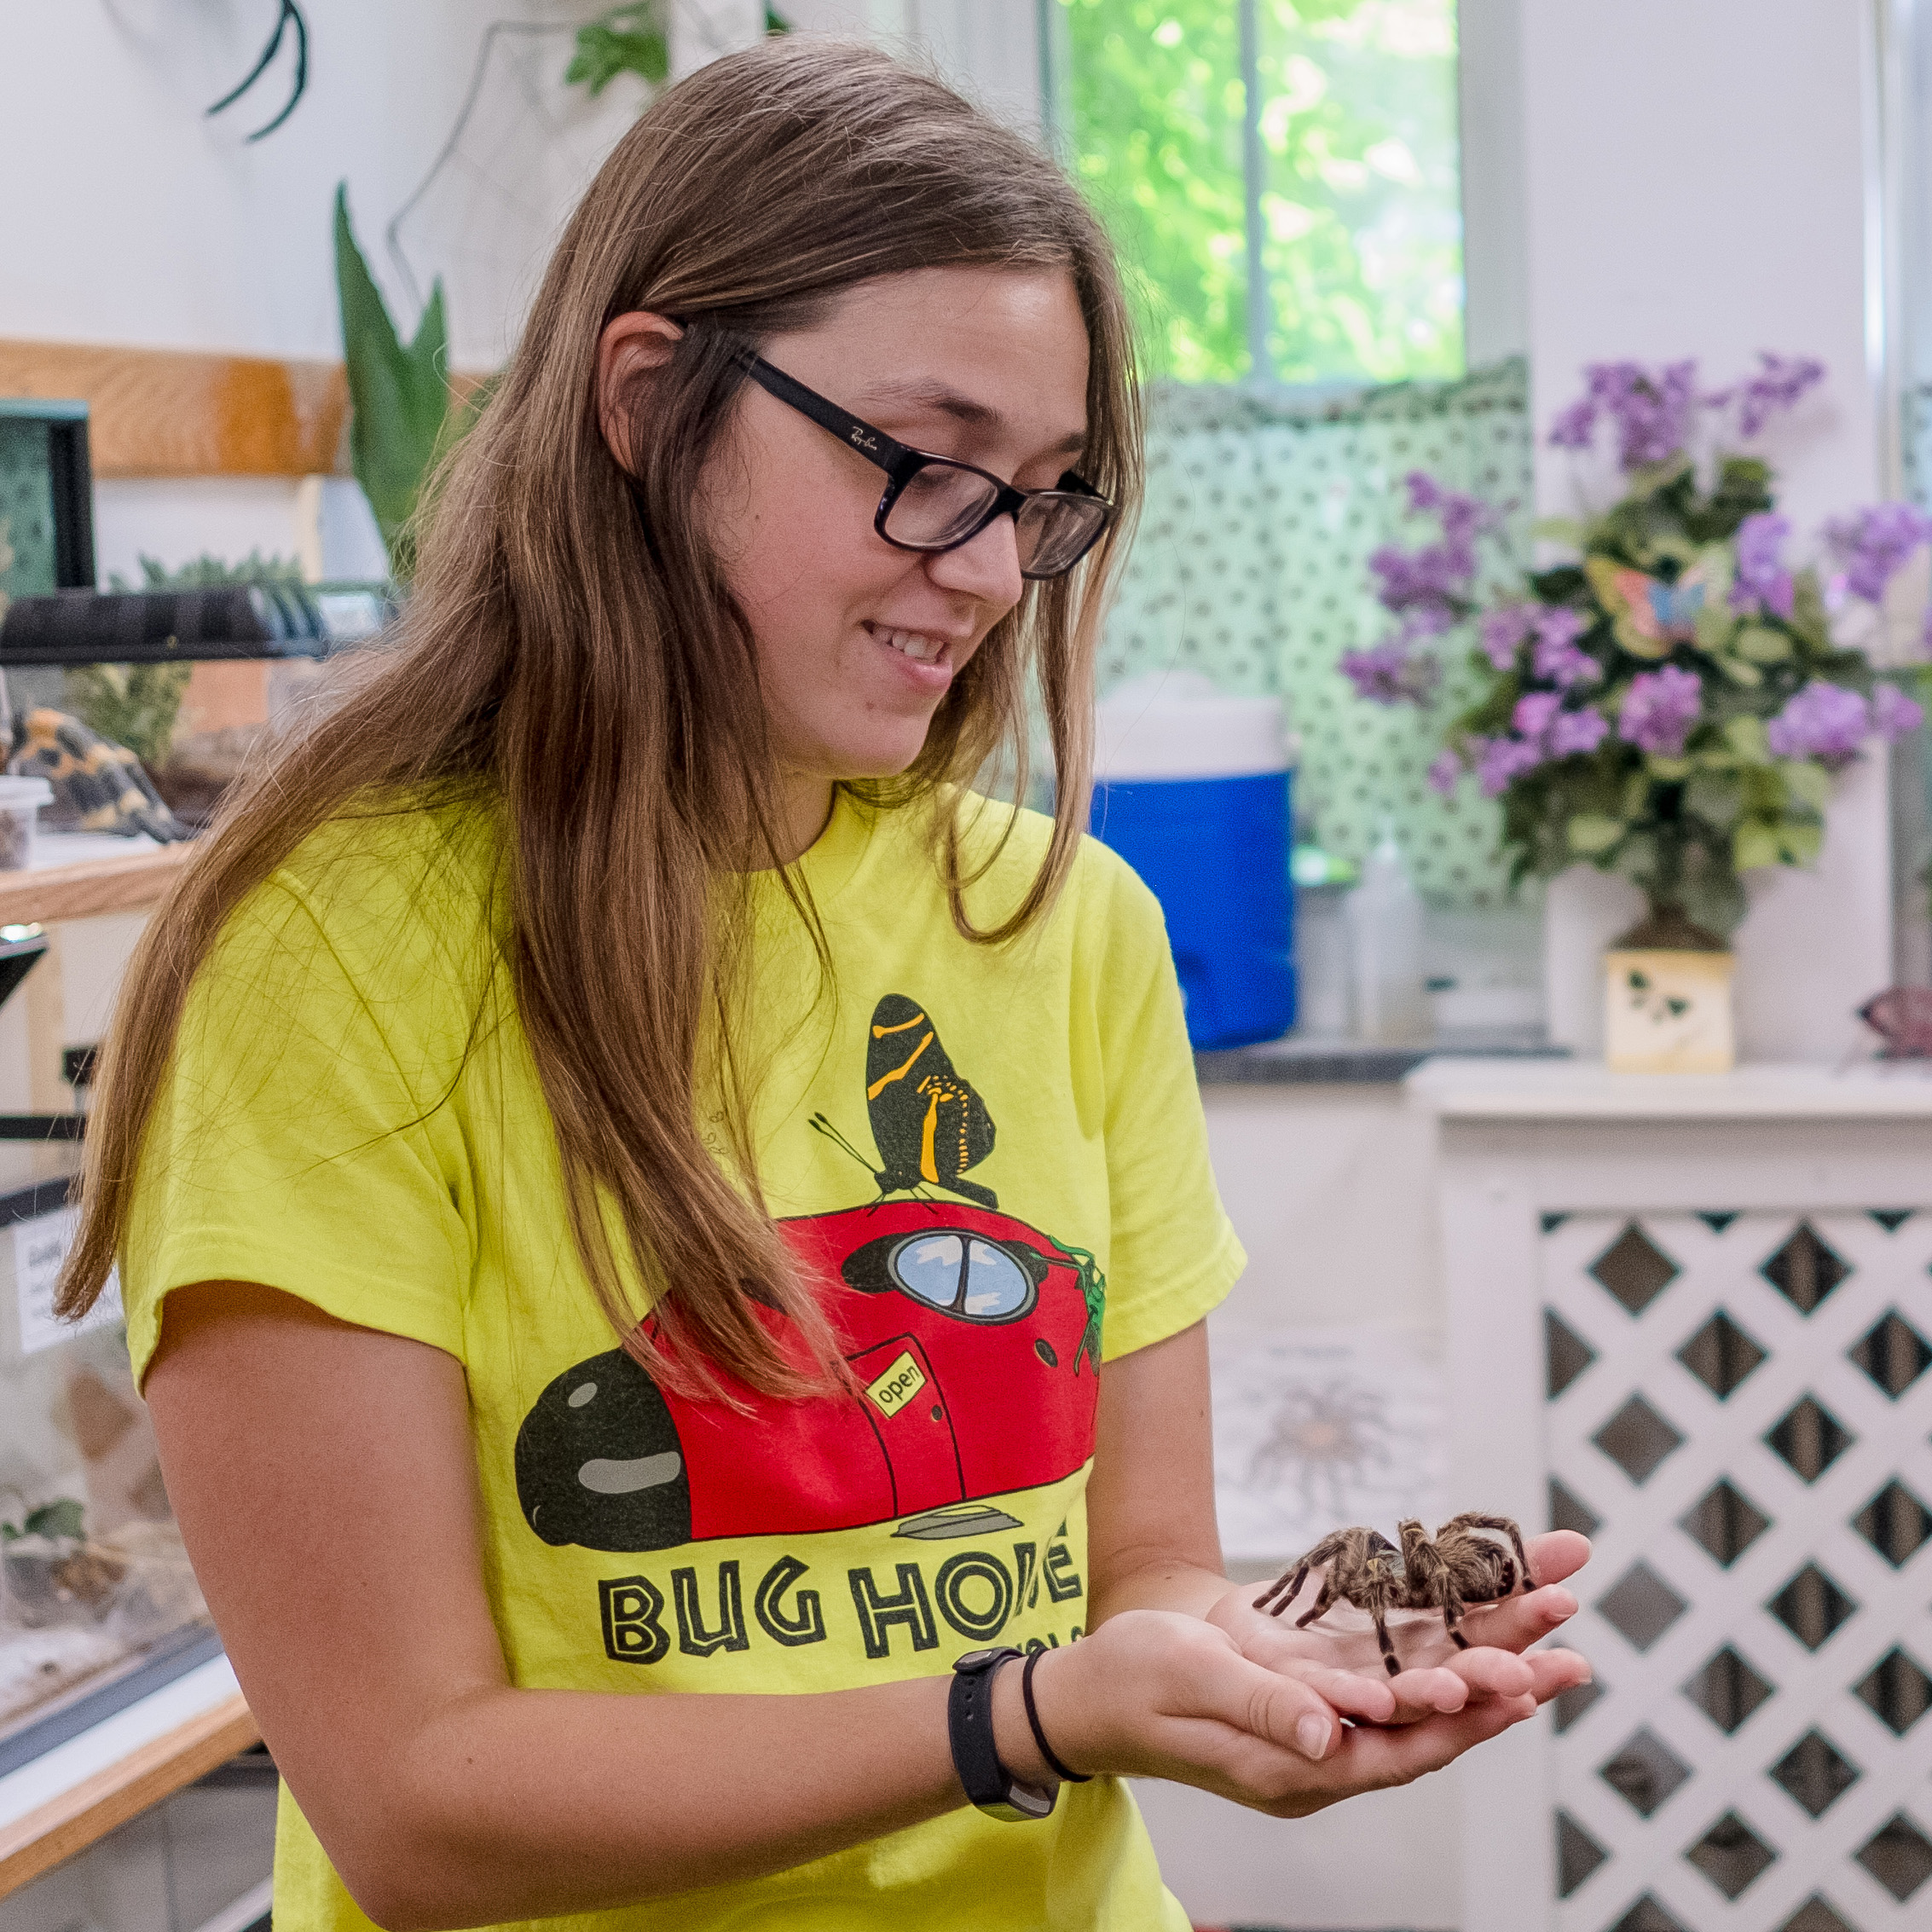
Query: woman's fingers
[1517, 1622]
[1556, 1554]
[1554, 1670]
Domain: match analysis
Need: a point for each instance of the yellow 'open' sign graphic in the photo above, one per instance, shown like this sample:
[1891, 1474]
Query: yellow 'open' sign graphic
[902, 1380]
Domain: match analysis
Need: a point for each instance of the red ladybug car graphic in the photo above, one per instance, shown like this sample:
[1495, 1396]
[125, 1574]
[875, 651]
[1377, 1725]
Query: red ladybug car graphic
[974, 1338]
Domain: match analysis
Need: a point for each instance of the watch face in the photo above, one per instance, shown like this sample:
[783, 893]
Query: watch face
[978, 1660]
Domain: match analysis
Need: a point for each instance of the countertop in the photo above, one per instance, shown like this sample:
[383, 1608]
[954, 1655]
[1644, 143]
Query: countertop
[1298, 1060]
[1497, 1089]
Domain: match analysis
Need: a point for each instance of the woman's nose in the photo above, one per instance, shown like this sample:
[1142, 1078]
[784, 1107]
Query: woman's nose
[988, 568]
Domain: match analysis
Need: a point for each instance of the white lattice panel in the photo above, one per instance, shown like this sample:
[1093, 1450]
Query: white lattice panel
[1806, 1871]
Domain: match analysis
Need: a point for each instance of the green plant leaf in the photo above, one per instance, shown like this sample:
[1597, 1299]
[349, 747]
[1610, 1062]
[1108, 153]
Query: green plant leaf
[399, 395]
[1671, 771]
[1738, 672]
[1561, 529]
[1800, 840]
[1745, 737]
[625, 40]
[1592, 832]
[1806, 782]
[1755, 843]
[1762, 644]
[1715, 799]
[65, 1517]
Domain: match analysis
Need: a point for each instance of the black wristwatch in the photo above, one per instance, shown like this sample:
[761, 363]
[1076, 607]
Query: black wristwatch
[975, 1757]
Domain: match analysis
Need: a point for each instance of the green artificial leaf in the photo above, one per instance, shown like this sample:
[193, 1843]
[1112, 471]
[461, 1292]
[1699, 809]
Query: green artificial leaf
[399, 395]
[1755, 844]
[1762, 644]
[1635, 860]
[775, 22]
[1714, 798]
[1800, 840]
[1745, 737]
[625, 40]
[1809, 618]
[1807, 783]
[1563, 584]
[65, 1517]
[1592, 832]
[1652, 479]
[1715, 899]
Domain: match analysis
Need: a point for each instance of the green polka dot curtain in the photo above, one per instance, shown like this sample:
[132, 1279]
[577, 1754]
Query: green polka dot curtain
[1250, 566]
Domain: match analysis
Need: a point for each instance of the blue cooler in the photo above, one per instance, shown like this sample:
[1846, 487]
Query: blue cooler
[1191, 790]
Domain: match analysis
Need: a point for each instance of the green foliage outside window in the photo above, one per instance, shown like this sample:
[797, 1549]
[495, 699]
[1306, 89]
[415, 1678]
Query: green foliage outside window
[1360, 200]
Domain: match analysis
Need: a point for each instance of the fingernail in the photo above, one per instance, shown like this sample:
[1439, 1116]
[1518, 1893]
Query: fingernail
[1311, 1736]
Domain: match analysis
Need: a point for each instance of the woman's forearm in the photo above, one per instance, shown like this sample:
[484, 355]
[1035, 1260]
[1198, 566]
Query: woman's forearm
[513, 1804]
[1157, 1583]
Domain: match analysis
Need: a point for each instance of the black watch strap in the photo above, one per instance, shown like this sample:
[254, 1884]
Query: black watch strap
[975, 1756]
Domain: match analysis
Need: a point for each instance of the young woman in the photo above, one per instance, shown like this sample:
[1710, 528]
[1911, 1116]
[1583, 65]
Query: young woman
[626, 1173]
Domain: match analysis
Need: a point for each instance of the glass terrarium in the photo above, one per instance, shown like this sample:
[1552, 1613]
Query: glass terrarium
[98, 1604]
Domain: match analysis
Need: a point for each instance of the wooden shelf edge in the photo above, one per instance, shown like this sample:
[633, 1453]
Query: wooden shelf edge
[71, 1823]
[90, 886]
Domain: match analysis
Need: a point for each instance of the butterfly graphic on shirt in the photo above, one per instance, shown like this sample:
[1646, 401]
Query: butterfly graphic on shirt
[928, 1123]
[1648, 613]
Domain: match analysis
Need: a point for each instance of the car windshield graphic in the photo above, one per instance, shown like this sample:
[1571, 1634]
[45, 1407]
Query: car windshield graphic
[968, 1276]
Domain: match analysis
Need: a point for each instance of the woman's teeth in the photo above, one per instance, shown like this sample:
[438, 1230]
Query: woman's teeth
[913, 644]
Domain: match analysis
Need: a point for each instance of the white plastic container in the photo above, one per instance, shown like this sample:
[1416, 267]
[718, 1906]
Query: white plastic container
[1385, 921]
[21, 800]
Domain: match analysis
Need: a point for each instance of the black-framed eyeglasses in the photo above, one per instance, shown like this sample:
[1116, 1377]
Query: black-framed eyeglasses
[936, 503]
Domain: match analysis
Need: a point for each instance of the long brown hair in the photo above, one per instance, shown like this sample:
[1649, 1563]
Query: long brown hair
[571, 653]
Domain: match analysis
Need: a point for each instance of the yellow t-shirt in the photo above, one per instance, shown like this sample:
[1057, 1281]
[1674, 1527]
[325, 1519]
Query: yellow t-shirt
[995, 1156]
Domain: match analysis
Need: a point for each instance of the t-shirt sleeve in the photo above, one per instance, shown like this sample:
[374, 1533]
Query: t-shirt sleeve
[298, 1140]
[1172, 1252]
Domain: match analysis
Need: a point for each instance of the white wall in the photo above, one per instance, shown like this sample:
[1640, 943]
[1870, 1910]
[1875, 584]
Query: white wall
[1695, 175]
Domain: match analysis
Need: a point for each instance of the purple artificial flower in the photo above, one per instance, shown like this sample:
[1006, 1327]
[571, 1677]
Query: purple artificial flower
[1874, 543]
[1557, 656]
[1573, 732]
[1775, 388]
[1820, 720]
[1660, 709]
[1894, 714]
[1444, 773]
[1427, 586]
[1504, 630]
[1574, 426]
[1762, 578]
[1533, 713]
[1500, 759]
[1652, 408]
[1389, 674]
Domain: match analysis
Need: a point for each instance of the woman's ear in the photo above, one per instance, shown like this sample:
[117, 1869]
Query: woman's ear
[631, 348]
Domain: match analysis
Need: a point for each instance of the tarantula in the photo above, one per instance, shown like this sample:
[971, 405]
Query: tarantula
[1364, 1568]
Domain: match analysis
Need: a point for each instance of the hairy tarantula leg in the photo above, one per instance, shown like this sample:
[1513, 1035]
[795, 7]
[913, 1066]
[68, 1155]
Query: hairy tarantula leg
[1282, 1591]
[1323, 1604]
[1326, 1551]
[1391, 1661]
[1452, 1616]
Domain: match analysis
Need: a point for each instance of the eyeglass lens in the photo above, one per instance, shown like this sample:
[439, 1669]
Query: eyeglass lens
[942, 505]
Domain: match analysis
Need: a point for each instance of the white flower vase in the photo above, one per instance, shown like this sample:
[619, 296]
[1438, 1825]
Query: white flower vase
[1666, 1000]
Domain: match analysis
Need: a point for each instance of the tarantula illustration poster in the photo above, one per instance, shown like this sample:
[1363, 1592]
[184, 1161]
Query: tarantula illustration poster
[1313, 1427]
[1464, 1564]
